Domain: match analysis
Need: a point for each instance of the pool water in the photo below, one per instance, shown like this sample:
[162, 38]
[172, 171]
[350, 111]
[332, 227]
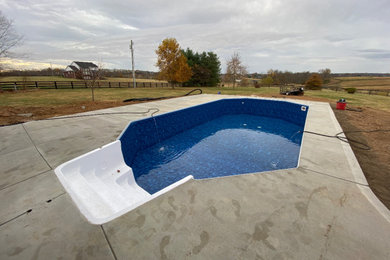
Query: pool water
[228, 145]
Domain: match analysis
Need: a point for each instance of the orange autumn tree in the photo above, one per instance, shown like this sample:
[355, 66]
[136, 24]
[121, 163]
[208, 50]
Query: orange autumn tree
[314, 82]
[172, 63]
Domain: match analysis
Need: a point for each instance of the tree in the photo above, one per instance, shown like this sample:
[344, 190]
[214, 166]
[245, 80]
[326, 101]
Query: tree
[92, 77]
[325, 74]
[171, 62]
[8, 36]
[235, 69]
[267, 81]
[206, 68]
[314, 82]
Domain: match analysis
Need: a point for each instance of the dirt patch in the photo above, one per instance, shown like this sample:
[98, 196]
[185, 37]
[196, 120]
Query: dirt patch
[375, 162]
[294, 97]
[14, 115]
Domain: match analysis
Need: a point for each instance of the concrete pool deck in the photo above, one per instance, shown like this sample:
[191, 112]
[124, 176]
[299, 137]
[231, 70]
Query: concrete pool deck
[324, 209]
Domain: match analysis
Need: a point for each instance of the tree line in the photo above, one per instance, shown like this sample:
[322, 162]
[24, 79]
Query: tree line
[288, 77]
[191, 68]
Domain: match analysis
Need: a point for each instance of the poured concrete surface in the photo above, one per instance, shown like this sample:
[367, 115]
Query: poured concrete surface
[324, 209]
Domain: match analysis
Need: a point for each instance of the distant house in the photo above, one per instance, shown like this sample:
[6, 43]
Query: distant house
[81, 70]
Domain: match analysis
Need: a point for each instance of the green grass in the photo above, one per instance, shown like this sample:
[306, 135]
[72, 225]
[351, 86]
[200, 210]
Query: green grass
[361, 82]
[52, 97]
[356, 99]
[35, 78]
[59, 97]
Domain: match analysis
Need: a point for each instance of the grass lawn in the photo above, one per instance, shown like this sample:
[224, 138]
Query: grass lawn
[52, 97]
[382, 83]
[359, 100]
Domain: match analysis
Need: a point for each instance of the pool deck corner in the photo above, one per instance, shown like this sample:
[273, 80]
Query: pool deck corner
[324, 209]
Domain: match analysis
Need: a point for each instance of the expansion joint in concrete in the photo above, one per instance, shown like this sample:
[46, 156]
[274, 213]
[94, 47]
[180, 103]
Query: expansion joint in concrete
[335, 177]
[36, 147]
[29, 210]
[108, 242]
[13, 184]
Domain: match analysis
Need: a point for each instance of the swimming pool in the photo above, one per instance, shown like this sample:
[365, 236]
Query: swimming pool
[156, 154]
[227, 145]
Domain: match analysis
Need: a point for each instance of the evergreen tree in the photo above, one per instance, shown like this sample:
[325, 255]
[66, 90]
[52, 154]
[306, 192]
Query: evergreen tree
[206, 68]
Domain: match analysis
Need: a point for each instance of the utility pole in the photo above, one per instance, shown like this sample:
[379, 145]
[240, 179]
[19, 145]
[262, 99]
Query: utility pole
[132, 62]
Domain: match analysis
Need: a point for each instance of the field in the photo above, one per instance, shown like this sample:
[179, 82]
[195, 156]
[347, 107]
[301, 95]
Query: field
[379, 83]
[55, 78]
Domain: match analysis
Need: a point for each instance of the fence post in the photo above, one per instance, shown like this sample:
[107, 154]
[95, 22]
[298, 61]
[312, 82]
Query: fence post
[119, 84]
[36, 84]
[109, 84]
[85, 83]
[128, 84]
[71, 83]
[55, 84]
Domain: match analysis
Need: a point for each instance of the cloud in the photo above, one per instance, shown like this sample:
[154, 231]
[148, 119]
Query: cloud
[296, 35]
[380, 54]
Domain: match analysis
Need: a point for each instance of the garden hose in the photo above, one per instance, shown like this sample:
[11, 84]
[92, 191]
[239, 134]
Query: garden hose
[352, 142]
[158, 98]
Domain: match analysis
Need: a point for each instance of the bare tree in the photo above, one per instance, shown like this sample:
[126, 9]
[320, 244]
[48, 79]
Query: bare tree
[8, 36]
[326, 75]
[92, 78]
[235, 69]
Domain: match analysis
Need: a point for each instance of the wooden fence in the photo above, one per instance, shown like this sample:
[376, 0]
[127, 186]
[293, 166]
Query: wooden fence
[17, 85]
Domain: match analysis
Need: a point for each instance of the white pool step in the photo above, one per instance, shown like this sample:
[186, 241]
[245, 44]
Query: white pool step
[102, 185]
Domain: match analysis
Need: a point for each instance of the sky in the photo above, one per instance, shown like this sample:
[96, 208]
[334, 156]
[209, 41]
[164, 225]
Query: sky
[294, 35]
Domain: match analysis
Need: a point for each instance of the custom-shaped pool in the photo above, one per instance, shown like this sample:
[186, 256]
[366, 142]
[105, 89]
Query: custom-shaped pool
[156, 154]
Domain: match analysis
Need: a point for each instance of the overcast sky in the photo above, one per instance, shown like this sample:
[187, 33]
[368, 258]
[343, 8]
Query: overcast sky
[295, 35]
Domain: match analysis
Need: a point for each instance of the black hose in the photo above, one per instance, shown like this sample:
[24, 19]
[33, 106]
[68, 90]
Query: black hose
[144, 99]
[158, 98]
[108, 113]
[352, 142]
[118, 113]
[197, 89]
[156, 110]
